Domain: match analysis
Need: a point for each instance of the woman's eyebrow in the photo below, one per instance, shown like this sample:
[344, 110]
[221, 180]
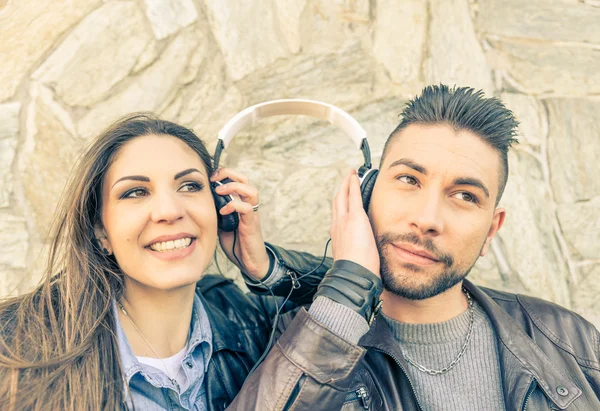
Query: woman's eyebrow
[147, 180]
[186, 172]
[134, 178]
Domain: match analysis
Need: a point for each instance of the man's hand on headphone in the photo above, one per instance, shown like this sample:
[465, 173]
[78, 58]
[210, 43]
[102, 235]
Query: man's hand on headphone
[352, 237]
[250, 247]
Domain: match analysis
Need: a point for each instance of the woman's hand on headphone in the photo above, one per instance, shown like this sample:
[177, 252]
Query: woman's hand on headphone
[352, 237]
[249, 247]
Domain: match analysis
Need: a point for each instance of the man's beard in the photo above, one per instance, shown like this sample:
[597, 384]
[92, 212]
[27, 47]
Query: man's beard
[401, 285]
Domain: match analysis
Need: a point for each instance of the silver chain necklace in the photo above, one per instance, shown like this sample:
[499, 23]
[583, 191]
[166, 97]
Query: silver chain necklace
[460, 353]
[145, 340]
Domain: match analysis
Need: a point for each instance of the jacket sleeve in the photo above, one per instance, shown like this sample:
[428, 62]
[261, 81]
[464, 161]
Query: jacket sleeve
[308, 366]
[302, 273]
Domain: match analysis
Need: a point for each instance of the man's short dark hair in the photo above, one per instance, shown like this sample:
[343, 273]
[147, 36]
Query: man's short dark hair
[463, 108]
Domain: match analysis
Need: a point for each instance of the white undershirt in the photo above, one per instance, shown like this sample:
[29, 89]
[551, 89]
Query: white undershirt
[174, 368]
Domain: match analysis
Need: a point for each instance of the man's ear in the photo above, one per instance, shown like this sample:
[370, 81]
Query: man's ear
[497, 222]
[100, 234]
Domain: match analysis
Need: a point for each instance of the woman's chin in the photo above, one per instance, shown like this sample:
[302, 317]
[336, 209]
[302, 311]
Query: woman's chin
[166, 281]
[145, 271]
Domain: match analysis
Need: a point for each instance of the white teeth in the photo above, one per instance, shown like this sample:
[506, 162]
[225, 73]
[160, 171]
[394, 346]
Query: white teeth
[172, 245]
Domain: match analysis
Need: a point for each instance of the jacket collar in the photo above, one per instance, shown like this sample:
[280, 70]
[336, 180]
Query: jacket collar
[380, 338]
[521, 360]
[224, 331]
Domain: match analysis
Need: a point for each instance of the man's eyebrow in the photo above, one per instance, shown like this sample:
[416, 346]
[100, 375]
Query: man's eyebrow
[186, 172]
[134, 178]
[409, 163]
[475, 182]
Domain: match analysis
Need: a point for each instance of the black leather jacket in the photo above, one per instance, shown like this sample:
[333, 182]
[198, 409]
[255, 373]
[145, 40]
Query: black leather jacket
[241, 322]
[549, 360]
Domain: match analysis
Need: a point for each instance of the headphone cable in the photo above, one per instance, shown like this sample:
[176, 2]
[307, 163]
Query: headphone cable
[278, 308]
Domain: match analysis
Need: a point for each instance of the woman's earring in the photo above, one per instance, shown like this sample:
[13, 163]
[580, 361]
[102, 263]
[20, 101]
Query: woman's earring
[103, 250]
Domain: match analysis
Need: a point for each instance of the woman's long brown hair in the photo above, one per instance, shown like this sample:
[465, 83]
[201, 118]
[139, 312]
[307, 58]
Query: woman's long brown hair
[58, 348]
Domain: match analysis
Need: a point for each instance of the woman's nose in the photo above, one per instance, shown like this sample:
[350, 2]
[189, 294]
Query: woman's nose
[166, 208]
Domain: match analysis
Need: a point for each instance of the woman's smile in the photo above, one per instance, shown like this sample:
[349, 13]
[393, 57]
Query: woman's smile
[173, 250]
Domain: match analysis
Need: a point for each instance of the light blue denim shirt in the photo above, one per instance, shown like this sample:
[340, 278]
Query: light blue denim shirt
[151, 389]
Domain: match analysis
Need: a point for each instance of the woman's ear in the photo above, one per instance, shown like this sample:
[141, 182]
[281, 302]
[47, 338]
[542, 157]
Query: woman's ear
[102, 239]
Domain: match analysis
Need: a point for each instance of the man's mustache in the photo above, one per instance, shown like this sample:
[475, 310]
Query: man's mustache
[412, 238]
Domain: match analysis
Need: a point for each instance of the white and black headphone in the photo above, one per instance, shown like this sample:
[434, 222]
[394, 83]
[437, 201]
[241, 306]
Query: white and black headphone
[335, 115]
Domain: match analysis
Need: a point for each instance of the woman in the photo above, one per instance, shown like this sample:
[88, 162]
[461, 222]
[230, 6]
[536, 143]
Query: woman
[120, 318]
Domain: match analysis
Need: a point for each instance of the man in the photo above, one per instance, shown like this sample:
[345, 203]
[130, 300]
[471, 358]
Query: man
[440, 342]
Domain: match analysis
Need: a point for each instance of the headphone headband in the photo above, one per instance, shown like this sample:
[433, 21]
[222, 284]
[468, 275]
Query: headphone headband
[335, 115]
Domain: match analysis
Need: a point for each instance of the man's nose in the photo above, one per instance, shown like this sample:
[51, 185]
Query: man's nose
[428, 215]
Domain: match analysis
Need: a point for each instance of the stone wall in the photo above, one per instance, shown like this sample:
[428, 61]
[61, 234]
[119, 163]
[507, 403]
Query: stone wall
[70, 67]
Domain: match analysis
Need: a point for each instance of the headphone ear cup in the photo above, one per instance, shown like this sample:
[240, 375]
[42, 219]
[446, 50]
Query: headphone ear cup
[366, 187]
[228, 222]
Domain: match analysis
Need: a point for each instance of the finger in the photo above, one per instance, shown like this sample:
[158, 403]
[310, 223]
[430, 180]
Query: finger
[332, 225]
[355, 203]
[237, 206]
[245, 212]
[341, 199]
[247, 193]
[222, 173]
[333, 208]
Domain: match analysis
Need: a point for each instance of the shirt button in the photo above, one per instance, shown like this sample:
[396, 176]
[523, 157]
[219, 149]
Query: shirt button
[189, 364]
[562, 391]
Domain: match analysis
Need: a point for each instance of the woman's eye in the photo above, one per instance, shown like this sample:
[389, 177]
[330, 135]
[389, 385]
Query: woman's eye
[408, 180]
[191, 187]
[135, 193]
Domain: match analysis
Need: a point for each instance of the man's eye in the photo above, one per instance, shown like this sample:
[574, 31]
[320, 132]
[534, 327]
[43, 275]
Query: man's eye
[135, 193]
[468, 197]
[191, 187]
[408, 180]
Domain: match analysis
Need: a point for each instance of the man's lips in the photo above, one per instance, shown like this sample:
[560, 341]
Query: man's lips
[414, 255]
[417, 251]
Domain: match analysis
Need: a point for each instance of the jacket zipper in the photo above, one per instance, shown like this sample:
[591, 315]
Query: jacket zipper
[526, 401]
[405, 374]
[529, 392]
[364, 396]
[361, 394]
